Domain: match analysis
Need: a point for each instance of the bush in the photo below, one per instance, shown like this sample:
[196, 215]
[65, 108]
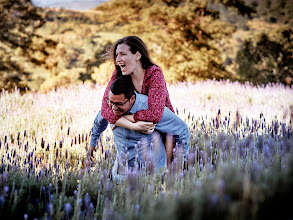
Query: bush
[266, 60]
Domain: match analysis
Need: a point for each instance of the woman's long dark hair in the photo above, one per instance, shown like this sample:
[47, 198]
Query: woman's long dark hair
[135, 44]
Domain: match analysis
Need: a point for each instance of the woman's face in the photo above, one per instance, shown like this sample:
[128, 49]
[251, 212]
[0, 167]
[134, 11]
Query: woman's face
[127, 61]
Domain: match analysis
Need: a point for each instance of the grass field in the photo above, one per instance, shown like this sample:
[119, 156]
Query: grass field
[239, 166]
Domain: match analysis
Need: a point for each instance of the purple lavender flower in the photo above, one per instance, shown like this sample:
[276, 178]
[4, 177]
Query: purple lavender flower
[87, 200]
[49, 209]
[25, 216]
[2, 201]
[67, 209]
[137, 209]
[5, 191]
[75, 194]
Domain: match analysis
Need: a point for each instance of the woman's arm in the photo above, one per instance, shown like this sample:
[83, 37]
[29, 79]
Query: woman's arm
[157, 95]
[127, 121]
[106, 111]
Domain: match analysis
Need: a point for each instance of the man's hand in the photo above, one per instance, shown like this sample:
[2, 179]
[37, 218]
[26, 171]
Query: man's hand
[90, 153]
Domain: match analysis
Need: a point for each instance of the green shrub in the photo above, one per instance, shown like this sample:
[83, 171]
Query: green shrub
[267, 60]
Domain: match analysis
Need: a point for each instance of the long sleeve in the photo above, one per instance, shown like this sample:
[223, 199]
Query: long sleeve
[100, 124]
[157, 94]
[106, 111]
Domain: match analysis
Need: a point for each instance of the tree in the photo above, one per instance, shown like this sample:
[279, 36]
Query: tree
[267, 60]
[18, 42]
[181, 35]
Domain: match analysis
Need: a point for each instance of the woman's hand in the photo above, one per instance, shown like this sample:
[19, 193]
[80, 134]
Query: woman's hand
[144, 127]
[127, 121]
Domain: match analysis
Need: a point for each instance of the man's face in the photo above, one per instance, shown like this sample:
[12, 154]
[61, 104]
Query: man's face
[119, 104]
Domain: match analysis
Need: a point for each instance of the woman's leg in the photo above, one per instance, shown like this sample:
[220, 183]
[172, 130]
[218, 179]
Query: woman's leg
[169, 145]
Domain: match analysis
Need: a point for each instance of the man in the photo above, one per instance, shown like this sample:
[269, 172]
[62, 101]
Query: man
[136, 150]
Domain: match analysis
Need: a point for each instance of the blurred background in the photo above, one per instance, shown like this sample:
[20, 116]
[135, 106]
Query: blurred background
[45, 44]
[68, 4]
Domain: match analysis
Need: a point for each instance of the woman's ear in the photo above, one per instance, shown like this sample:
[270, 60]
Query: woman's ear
[138, 55]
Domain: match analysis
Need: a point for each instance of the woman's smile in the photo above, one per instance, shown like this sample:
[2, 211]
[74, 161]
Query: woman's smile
[125, 59]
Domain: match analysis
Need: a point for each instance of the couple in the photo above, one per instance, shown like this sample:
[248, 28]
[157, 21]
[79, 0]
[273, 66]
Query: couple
[136, 102]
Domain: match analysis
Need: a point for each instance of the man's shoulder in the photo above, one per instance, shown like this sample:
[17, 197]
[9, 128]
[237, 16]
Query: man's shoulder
[141, 97]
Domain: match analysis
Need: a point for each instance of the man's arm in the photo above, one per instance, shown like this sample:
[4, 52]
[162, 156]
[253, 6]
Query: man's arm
[100, 124]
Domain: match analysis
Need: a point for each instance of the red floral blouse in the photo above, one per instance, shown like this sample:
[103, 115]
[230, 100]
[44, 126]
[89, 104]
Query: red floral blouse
[154, 86]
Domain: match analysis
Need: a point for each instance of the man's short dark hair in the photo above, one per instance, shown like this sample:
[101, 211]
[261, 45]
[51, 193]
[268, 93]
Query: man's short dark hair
[123, 85]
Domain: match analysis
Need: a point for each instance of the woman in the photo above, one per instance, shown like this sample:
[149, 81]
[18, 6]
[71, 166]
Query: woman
[131, 57]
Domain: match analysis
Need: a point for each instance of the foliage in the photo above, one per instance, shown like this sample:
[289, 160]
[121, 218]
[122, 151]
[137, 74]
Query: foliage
[239, 165]
[267, 60]
[181, 36]
[189, 40]
[276, 11]
[19, 43]
[240, 5]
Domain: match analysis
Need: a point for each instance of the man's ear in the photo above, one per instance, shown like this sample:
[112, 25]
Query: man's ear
[138, 55]
[132, 99]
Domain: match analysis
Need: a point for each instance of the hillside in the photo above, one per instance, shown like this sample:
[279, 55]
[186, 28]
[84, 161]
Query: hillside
[190, 42]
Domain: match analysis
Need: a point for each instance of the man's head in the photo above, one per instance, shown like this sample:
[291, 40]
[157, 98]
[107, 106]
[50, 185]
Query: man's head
[121, 95]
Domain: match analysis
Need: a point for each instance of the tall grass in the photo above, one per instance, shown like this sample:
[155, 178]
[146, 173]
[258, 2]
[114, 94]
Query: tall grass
[239, 166]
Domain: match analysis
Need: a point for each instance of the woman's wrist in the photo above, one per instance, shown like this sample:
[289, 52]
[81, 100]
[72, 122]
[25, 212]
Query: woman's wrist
[133, 126]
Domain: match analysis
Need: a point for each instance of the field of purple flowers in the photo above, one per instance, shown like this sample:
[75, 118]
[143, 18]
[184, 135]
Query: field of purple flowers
[239, 166]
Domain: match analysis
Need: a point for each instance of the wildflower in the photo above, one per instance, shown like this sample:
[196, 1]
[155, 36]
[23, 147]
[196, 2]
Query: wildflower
[267, 152]
[90, 209]
[49, 209]
[214, 199]
[175, 194]
[6, 190]
[25, 216]
[2, 201]
[87, 199]
[42, 143]
[137, 209]
[50, 187]
[190, 159]
[212, 167]
[75, 194]
[67, 209]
